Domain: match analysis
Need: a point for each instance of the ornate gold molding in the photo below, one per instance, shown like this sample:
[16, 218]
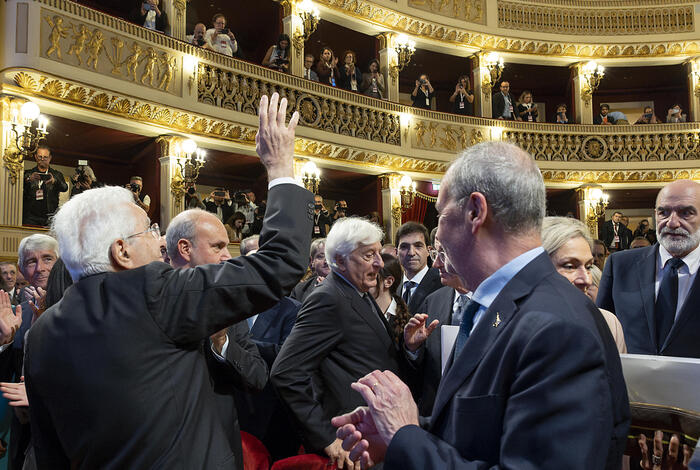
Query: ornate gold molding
[401, 22]
[618, 176]
[472, 11]
[599, 21]
[432, 135]
[608, 3]
[13, 161]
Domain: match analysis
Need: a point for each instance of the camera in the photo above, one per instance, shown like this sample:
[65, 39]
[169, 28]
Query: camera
[200, 41]
[191, 191]
[423, 81]
[224, 31]
[339, 208]
[135, 188]
[146, 6]
[220, 193]
[240, 198]
[45, 176]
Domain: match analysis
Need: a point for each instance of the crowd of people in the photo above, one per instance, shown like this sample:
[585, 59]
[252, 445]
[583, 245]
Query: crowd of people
[130, 349]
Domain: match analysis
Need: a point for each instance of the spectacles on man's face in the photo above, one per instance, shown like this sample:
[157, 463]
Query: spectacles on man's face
[154, 229]
[43, 157]
[435, 254]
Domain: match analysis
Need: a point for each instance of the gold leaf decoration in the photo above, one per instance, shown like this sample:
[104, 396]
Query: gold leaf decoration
[26, 81]
[123, 106]
[53, 88]
[77, 94]
[100, 100]
[143, 112]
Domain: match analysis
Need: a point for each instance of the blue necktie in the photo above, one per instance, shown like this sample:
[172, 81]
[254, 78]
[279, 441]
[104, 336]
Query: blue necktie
[466, 326]
[462, 301]
[407, 286]
[667, 300]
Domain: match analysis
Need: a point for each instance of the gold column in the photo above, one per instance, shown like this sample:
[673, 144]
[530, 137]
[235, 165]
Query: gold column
[482, 93]
[172, 190]
[391, 203]
[693, 68]
[387, 57]
[292, 26]
[12, 169]
[583, 102]
[175, 9]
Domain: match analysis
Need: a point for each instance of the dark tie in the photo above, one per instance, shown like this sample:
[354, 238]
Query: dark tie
[667, 300]
[407, 286]
[466, 326]
[462, 301]
[375, 308]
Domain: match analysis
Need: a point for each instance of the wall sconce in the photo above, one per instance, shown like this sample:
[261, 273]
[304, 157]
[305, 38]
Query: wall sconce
[190, 64]
[595, 201]
[310, 16]
[591, 74]
[404, 48]
[407, 190]
[190, 160]
[27, 136]
[311, 176]
[494, 63]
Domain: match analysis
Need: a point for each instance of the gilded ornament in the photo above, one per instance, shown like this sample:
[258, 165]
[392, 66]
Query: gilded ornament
[169, 65]
[122, 106]
[116, 58]
[53, 88]
[57, 33]
[77, 94]
[132, 62]
[26, 81]
[149, 69]
[12, 160]
[81, 35]
[94, 48]
[100, 100]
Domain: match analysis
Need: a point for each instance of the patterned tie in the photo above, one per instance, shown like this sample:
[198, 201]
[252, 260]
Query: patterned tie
[466, 326]
[462, 301]
[407, 286]
[667, 300]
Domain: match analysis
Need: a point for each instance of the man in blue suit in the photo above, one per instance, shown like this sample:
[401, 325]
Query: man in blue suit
[654, 291]
[535, 380]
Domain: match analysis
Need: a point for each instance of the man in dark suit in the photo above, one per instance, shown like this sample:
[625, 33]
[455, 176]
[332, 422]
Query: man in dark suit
[131, 388]
[503, 103]
[615, 234]
[42, 186]
[8, 282]
[418, 281]
[654, 291]
[338, 321]
[533, 356]
[603, 118]
[196, 237]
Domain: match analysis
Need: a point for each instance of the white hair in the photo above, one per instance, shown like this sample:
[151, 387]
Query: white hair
[182, 227]
[88, 224]
[349, 233]
[35, 242]
[556, 231]
[508, 178]
[248, 241]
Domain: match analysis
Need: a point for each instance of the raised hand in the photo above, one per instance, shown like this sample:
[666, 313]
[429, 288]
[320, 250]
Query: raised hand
[274, 142]
[416, 332]
[9, 321]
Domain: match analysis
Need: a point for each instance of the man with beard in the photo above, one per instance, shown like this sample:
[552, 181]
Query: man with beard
[654, 290]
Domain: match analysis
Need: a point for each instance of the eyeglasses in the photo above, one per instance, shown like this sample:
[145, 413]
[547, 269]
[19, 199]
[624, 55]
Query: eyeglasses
[435, 255]
[43, 157]
[154, 229]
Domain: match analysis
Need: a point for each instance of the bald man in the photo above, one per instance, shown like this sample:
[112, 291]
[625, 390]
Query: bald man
[654, 291]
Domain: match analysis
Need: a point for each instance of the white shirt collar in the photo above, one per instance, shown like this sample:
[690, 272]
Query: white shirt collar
[691, 260]
[391, 311]
[418, 278]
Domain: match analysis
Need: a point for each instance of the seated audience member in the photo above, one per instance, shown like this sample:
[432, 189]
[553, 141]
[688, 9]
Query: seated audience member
[197, 36]
[327, 67]
[82, 180]
[322, 219]
[675, 114]
[309, 73]
[644, 230]
[560, 117]
[653, 291]
[349, 73]
[385, 294]
[639, 242]
[648, 117]
[373, 81]
[503, 103]
[463, 98]
[389, 249]
[42, 186]
[220, 38]
[219, 202]
[8, 282]
[568, 244]
[150, 16]
[423, 93]
[196, 237]
[527, 111]
[338, 322]
[262, 414]
[318, 271]
[603, 117]
[140, 199]
[235, 227]
[158, 390]
[419, 280]
[600, 253]
[277, 56]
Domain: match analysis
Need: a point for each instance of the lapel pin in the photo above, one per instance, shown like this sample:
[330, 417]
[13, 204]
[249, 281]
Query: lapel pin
[498, 320]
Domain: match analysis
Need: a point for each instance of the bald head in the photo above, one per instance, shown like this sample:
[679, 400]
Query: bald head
[196, 237]
[677, 218]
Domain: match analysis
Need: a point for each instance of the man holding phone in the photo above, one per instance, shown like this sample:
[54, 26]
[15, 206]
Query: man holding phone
[42, 185]
[197, 37]
[220, 38]
[219, 203]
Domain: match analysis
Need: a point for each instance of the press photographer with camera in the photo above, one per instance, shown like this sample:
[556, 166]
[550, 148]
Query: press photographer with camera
[462, 98]
[220, 38]
[219, 202]
[136, 187]
[197, 36]
[244, 202]
[42, 186]
[83, 178]
[149, 15]
[277, 56]
[341, 210]
[423, 93]
[192, 199]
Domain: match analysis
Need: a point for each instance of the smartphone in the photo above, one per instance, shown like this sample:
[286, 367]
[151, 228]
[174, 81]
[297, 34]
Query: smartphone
[82, 163]
[220, 193]
[225, 31]
[45, 176]
[147, 6]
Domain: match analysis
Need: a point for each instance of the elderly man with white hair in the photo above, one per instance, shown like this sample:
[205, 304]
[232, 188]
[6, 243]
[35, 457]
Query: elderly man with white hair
[114, 373]
[339, 336]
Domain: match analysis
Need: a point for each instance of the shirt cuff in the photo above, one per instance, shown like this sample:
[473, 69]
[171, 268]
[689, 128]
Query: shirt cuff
[412, 355]
[283, 180]
[5, 346]
[220, 357]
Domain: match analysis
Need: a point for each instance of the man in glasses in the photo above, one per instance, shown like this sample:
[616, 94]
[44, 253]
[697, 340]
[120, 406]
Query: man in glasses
[42, 186]
[114, 373]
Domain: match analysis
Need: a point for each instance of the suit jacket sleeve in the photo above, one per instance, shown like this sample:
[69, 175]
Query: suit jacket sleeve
[605, 289]
[547, 367]
[244, 368]
[189, 305]
[286, 316]
[314, 336]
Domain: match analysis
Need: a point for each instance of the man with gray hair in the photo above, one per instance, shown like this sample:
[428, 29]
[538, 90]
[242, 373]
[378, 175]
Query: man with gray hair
[8, 279]
[250, 244]
[114, 373]
[534, 379]
[339, 322]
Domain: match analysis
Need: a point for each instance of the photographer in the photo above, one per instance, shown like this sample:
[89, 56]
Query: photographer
[192, 198]
[136, 186]
[648, 117]
[150, 16]
[322, 220]
[83, 178]
[220, 38]
[462, 98]
[42, 185]
[423, 93]
[277, 57]
[341, 210]
[258, 217]
[219, 203]
[244, 202]
[675, 114]
[561, 117]
[527, 111]
[197, 37]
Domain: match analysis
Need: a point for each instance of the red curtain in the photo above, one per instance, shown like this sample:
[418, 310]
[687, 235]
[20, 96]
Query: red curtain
[416, 212]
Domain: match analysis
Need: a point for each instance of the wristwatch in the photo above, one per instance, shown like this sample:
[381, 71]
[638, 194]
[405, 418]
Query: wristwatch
[656, 459]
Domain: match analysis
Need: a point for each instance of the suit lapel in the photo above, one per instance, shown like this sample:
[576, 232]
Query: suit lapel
[362, 308]
[427, 284]
[646, 272]
[261, 325]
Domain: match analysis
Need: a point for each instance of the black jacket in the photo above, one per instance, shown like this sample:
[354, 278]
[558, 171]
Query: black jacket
[607, 234]
[37, 212]
[429, 284]
[498, 105]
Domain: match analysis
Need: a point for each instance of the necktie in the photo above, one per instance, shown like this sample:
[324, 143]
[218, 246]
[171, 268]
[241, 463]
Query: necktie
[407, 286]
[375, 308]
[667, 300]
[462, 301]
[251, 321]
[466, 326]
